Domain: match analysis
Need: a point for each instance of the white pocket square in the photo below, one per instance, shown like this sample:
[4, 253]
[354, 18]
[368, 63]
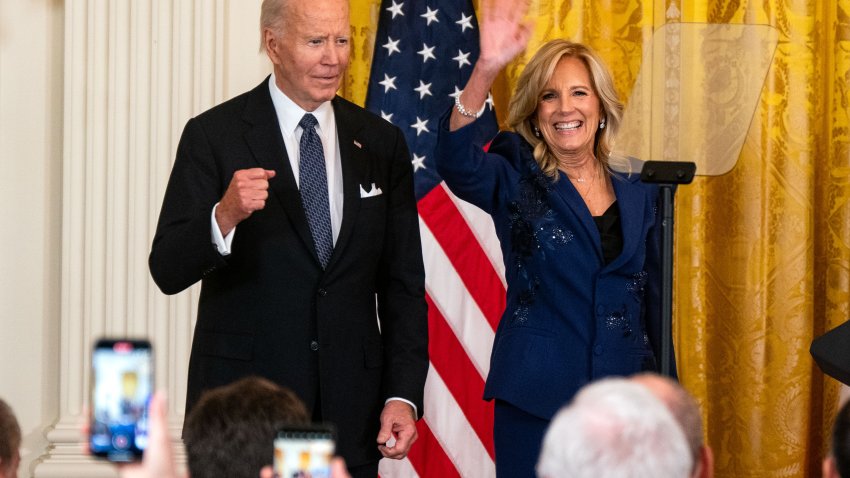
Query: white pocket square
[373, 191]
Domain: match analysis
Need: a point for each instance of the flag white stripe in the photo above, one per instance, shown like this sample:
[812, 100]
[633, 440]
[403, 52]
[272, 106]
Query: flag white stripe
[482, 227]
[389, 468]
[452, 430]
[449, 295]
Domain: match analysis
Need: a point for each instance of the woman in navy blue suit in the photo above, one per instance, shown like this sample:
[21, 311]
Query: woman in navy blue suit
[580, 241]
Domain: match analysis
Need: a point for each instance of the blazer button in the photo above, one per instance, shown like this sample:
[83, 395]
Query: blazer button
[597, 350]
[600, 309]
[322, 292]
[314, 346]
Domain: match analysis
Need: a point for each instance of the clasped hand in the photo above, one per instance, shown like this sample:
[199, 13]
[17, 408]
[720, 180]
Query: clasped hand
[398, 429]
[247, 193]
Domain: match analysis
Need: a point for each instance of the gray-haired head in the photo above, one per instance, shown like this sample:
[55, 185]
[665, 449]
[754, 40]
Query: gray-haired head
[618, 429]
[271, 17]
[680, 403]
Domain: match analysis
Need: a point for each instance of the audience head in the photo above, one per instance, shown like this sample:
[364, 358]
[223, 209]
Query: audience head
[533, 80]
[686, 412]
[614, 428]
[837, 464]
[231, 430]
[10, 442]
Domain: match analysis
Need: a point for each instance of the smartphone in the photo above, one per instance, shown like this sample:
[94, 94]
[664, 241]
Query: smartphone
[304, 451]
[121, 390]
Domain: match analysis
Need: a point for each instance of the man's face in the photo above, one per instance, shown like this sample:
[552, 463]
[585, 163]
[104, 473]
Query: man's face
[310, 48]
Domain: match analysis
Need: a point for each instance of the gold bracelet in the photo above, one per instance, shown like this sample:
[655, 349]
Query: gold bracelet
[465, 112]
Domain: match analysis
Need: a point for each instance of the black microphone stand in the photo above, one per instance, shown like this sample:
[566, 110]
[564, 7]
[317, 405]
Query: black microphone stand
[667, 174]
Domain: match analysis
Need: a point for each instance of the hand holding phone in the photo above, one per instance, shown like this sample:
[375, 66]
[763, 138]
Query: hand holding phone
[158, 460]
[122, 385]
[304, 451]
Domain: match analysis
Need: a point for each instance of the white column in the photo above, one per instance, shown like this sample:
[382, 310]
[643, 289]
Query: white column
[135, 72]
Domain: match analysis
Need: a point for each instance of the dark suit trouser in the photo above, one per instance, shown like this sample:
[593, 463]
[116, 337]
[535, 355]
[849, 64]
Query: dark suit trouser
[369, 470]
[517, 437]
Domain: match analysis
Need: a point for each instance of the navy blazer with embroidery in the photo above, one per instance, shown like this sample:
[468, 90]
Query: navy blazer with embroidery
[569, 318]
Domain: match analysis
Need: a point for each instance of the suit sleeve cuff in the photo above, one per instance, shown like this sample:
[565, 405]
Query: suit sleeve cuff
[222, 243]
[415, 410]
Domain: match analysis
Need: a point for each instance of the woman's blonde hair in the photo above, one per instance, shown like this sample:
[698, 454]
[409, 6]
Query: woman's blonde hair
[538, 72]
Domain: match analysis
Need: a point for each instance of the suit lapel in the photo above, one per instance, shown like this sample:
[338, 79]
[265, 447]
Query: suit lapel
[568, 193]
[632, 203]
[354, 164]
[266, 143]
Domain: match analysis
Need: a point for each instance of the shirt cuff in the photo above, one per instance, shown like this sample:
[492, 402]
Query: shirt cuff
[222, 243]
[415, 410]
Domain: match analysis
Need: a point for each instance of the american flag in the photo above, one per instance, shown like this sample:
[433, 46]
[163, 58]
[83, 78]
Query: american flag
[424, 53]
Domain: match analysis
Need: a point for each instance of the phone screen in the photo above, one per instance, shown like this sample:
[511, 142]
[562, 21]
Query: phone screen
[122, 385]
[304, 452]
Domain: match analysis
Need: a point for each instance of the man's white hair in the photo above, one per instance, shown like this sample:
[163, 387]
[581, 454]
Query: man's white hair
[271, 17]
[617, 429]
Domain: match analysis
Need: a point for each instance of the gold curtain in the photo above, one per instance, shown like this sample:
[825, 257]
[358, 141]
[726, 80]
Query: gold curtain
[762, 252]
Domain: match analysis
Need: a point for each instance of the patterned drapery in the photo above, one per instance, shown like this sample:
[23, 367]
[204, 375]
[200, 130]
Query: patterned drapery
[762, 252]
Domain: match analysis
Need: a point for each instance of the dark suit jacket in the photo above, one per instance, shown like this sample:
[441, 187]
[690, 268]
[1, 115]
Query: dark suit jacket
[569, 317]
[268, 308]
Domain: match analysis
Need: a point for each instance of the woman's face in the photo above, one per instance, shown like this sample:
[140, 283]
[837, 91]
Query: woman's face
[568, 111]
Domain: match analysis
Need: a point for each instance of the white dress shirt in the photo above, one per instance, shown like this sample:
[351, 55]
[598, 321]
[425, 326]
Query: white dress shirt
[288, 116]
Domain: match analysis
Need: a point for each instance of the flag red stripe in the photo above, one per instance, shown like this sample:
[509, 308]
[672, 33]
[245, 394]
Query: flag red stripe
[427, 455]
[460, 375]
[461, 246]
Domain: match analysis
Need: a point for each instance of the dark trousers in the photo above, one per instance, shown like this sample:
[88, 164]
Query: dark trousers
[369, 470]
[517, 437]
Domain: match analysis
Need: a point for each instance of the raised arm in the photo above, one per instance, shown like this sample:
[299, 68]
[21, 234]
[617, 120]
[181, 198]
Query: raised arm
[504, 34]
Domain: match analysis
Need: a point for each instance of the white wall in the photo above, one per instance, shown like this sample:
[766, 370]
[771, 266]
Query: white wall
[31, 58]
[93, 98]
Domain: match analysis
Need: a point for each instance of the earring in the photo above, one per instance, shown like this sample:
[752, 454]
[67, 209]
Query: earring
[536, 131]
[602, 124]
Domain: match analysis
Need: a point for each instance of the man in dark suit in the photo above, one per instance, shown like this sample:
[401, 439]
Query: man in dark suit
[311, 270]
